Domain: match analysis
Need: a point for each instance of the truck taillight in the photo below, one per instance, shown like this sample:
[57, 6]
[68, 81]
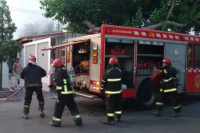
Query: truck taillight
[68, 55]
[91, 82]
[95, 85]
[95, 53]
[95, 60]
[68, 60]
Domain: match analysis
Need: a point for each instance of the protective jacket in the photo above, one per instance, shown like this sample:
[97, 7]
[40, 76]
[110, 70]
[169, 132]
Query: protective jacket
[65, 97]
[63, 85]
[32, 75]
[111, 81]
[168, 88]
[169, 80]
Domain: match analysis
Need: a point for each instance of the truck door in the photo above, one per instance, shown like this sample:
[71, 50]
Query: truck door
[177, 53]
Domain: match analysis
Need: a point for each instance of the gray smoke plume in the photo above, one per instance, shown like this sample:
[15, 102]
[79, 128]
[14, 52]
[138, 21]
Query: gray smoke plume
[37, 28]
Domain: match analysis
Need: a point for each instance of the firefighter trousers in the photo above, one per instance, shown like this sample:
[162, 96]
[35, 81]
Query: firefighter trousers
[60, 105]
[113, 106]
[28, 98]
[172, 96]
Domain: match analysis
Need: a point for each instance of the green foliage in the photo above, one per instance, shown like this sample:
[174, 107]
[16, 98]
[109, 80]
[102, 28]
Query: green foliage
[159, 13]
[8, 47]
[180, 15]
[135, 21]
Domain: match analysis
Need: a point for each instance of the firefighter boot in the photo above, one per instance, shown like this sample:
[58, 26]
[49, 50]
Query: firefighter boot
[25, 116]
[41, 113]
[78, 121]
[41, 108]
[175, 114]
[55, 123]
[110, 121]
[26, 111]
[118, 118]
[157, 113]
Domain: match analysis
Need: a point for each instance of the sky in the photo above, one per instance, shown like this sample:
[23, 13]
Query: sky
[24, 12]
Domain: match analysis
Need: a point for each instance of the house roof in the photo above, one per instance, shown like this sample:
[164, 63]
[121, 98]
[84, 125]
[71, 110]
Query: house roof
[29, 38]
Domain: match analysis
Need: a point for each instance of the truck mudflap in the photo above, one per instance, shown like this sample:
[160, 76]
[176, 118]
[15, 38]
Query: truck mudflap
[90, 96]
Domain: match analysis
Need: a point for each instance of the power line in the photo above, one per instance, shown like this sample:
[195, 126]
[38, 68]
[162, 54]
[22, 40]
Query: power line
[16, 8]
[25, 11]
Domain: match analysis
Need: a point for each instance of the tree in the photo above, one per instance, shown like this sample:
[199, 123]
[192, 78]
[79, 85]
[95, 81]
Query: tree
[179, 15]
[8, 47]
[37, 28]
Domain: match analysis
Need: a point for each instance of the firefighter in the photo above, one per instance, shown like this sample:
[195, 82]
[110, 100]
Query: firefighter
[167, 88]
[111, 84]
[32, 75]
[65, 95]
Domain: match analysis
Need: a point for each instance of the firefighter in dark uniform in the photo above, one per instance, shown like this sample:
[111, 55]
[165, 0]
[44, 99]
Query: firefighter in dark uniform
[65, 95]
[111, 84]
[32, 75]
[167, 88]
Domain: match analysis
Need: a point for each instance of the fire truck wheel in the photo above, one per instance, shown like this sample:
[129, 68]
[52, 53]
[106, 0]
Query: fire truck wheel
[146, 95]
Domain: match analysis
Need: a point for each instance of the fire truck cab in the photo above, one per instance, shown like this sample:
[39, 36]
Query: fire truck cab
[140, 53]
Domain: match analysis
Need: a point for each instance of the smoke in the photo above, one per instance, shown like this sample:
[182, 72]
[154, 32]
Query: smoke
[37, 28]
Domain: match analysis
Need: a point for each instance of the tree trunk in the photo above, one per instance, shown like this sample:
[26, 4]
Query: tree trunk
[1, 76]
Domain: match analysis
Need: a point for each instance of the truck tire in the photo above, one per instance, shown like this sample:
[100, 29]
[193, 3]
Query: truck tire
[146, 95]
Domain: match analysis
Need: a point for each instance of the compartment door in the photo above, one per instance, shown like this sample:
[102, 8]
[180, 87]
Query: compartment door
[177, 53]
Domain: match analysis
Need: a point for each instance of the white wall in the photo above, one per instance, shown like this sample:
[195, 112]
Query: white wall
[5, 75]
[42, 57]
[20, 55]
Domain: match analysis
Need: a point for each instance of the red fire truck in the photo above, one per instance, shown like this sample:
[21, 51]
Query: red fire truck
[140, 53]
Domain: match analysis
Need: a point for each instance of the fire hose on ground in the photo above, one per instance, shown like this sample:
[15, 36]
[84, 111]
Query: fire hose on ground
[12, 95]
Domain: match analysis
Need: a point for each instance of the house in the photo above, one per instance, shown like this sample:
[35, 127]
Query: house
[34, 44]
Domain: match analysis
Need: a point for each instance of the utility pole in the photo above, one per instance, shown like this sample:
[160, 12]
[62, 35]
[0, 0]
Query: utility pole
[58, 31]
[1, 43]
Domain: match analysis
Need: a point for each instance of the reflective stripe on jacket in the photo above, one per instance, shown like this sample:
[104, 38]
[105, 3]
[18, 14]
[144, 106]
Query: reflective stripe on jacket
[63, 85]
[111, 81]
[169, 82]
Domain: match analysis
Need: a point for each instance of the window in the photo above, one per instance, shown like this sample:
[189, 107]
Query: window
[189, 55]
[196, 55]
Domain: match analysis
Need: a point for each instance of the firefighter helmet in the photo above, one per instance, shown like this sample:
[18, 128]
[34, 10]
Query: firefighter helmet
[113, 60]
[57, 63]
[32, 59]
[167, 61]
